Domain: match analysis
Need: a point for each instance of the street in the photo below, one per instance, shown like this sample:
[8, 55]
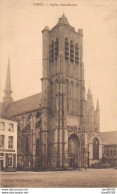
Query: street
[76, 178]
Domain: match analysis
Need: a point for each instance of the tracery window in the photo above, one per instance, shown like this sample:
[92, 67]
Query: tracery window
[95, 149]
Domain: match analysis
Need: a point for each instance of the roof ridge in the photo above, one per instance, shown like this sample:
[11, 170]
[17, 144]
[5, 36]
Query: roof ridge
[26, 97]
[107, 131]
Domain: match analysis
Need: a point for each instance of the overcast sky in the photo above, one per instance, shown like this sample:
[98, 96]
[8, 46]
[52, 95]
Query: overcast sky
[21, 25]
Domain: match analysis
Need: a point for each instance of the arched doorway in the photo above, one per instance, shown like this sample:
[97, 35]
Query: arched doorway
[95, 149]
[73, 150]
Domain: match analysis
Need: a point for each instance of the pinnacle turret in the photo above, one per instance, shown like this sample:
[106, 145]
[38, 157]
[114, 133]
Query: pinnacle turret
[89, 91]
[90, 97]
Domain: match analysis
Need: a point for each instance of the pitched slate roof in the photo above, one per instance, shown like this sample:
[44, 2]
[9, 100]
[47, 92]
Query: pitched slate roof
[24, 105]
[109, 137]
[63, 21]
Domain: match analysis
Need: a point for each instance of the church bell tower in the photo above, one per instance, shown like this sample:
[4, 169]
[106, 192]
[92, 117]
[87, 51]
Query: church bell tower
[63, 90]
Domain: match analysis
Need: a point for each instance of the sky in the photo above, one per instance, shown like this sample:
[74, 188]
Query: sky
[21, 25]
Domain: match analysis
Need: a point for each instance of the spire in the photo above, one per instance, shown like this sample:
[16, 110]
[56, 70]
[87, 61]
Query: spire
[97, 106]
[8, 79]
[8, 91]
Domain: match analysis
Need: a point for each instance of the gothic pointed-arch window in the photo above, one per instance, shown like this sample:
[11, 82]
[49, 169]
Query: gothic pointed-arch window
[66, 49]
[52, 51]
[95, 149]
[56, 48]
[76, 54]
[71, 52]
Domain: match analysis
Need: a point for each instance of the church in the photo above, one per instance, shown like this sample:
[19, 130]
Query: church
[60, 127]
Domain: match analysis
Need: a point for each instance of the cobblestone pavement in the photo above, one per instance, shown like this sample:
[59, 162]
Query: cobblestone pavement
[77, 178]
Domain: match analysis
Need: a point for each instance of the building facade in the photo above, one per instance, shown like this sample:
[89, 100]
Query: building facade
[8, 145]
[110, 148]
[59, 127]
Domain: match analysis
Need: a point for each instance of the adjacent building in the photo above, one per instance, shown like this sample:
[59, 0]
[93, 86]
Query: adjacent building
[110, 147]
[8, 145]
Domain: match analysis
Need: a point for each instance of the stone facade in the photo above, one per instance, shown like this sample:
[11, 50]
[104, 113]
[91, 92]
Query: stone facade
[58, 128]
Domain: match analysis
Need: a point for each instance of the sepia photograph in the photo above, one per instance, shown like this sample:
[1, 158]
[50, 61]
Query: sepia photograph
[58, 94]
